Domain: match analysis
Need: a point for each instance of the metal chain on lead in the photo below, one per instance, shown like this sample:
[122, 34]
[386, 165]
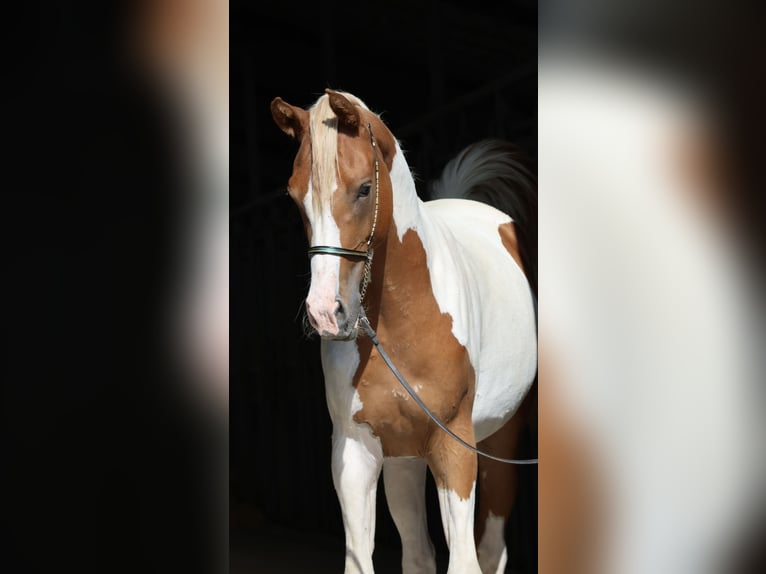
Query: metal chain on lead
[365, 280]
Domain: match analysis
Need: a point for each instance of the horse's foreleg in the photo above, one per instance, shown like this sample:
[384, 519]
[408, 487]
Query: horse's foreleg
[405, 481]
[356, 461]
[454, 468]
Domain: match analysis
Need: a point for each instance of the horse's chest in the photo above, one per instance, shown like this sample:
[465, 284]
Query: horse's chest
[394, 417]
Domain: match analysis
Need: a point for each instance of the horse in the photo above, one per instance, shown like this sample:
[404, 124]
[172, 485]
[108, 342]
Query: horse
[445, 285]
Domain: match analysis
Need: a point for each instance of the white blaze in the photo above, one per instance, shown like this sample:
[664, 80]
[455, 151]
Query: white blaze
[321, 302]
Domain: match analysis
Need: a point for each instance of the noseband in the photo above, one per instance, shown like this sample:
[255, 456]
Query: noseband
[367, 253]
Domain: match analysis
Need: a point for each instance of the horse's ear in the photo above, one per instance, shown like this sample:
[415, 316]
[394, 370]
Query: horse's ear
[290, 119]
[348, 113]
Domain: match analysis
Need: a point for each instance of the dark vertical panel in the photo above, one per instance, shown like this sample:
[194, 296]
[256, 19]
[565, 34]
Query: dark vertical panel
[443, 74]
[253, 159]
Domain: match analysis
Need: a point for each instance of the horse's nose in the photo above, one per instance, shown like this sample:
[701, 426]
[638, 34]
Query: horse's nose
[322, 317]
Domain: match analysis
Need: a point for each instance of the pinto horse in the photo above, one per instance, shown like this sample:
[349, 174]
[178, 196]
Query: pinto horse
[443, 284]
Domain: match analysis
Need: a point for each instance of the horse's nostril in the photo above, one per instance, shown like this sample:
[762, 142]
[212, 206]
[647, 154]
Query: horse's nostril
[340, 312]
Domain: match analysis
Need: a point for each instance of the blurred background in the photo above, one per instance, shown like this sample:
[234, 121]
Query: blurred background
[114, 368]
[651, 282]
[443, 74]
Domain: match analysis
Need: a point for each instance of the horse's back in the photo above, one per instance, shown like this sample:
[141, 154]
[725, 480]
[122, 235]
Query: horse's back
[476, 278]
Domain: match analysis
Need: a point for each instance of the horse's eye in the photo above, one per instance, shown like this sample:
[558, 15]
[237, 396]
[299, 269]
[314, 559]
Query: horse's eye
[364, 190]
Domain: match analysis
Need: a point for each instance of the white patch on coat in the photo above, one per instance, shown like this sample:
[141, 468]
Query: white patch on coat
[493, 554]
[340, 360]
[406, 205]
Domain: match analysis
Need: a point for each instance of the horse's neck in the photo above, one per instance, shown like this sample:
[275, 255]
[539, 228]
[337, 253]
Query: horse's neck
[406, 279]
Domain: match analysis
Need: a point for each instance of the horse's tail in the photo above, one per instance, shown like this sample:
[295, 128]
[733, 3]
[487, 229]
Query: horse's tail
[497, 173]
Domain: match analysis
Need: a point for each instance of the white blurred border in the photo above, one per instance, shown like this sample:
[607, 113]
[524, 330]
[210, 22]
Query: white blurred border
[646, 304]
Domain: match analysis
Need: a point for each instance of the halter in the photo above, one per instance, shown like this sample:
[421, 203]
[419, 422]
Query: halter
[368, 253]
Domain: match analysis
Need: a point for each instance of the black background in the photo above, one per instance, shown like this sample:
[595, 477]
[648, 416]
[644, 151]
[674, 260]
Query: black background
[443, 75]
[106, 465]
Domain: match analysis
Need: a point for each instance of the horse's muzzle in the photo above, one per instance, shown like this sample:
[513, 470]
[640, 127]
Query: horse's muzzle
[331, 322]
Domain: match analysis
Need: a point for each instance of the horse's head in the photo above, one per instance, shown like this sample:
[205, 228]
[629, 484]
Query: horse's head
[334, 185]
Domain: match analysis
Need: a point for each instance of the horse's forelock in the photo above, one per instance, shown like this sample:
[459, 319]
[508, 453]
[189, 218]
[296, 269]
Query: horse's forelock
[323, 129]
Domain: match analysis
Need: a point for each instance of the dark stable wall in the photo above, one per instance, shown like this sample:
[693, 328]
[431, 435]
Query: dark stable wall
[443, 75]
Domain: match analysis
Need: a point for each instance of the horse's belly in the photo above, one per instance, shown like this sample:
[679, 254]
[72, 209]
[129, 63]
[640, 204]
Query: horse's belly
[507, 360]
[493, 315]
[494, 405]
